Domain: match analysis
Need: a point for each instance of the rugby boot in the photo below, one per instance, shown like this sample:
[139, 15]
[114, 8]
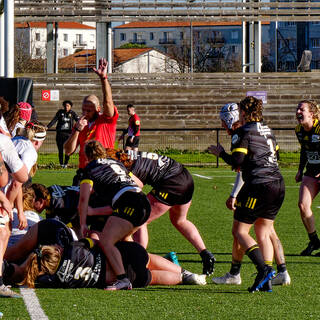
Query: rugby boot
[208, 261]
[123, 284]
[313, 245]
[261, 279]
[228, 278]
[282, 278]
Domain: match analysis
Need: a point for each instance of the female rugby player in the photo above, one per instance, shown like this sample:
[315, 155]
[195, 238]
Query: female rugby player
[308, 134]
[172, 190]
[129, 210]
[229, 116]
[261, 196]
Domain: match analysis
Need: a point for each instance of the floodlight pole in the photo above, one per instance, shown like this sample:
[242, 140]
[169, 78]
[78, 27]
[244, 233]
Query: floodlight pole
[9, 38]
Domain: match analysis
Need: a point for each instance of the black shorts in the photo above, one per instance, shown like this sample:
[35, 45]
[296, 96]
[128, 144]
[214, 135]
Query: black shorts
[134, 143]
[176, 190]
[259, 201]
[52, 231]
[135, 259]
[133, 207]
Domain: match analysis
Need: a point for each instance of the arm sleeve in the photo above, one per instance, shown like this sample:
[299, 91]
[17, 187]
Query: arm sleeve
[53, 121]
[238, 183]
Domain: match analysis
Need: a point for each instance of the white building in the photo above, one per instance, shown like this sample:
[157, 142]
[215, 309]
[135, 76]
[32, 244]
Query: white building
[31, 37]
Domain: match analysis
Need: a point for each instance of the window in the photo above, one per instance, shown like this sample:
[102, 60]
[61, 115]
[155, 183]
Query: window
[37, 36]
[65, 37]
[181, 35]
[65, 52]
[135, 37]
[315, 43]
[122, 37]
[234, 35]
[38, 52]
[151, 36]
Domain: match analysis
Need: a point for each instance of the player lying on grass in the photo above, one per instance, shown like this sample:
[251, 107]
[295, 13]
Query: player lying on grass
[55, 259]
[172, 190]
[229, 116]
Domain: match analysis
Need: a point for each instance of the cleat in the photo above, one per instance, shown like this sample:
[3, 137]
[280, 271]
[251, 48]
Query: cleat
[228, 278]
[123, 284]
[261, 279]
[267, 287]
[193, 278]
[172, 256]
[6, 292]
[311, 247]
[282, 278]
[208, 261]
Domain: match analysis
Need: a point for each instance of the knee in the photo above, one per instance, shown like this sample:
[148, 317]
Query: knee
[4, 234]
[303, 207]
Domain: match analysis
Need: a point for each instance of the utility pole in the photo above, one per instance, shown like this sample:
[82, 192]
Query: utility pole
[9, 38]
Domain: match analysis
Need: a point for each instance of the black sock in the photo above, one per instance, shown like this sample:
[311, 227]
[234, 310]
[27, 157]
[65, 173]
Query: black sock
[281, 267]
[256, 257]
[235, 268]
[121, 276]
[313, 237]
[1, 281]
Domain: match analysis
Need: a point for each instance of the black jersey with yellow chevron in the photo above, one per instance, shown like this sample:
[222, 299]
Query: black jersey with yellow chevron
[310, 148]
[150, 167]
[256, 141]
[108, 177]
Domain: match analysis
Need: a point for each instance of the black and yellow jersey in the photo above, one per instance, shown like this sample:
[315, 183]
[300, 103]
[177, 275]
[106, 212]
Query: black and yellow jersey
[151, 168]
[254, 151]
[310, 148]
[107, 177]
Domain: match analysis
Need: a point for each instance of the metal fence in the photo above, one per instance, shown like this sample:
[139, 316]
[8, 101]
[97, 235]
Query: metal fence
[185, 145]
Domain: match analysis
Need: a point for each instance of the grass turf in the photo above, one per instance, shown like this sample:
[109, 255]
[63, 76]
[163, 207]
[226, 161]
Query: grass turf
[208, 212]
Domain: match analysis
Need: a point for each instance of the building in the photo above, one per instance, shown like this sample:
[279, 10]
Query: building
[135, 60]
[211, 43]
[31, 38]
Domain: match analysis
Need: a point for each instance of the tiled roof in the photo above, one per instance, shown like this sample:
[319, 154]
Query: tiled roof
[161, 24]
[62, 25]
[84, 57]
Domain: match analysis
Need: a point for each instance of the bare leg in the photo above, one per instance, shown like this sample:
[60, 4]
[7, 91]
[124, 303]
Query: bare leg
[263, 228]
[237, 251]
[178, 217]
[309, 188]
[115, 229]
[277, 247]
[4, 237]
[160, 277]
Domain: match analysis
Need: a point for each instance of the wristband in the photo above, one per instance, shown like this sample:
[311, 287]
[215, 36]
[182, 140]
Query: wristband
[77, 129]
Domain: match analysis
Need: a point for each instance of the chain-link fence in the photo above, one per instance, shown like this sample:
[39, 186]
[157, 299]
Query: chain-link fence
[187, 146]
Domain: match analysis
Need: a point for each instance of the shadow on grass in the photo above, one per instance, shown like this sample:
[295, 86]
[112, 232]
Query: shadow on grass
[204, 289]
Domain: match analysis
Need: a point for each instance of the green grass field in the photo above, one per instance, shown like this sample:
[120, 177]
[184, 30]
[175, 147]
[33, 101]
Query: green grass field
[208, 212]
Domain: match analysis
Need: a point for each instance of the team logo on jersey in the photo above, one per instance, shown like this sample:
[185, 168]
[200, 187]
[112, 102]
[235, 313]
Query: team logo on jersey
[235, 139]
[315, 138]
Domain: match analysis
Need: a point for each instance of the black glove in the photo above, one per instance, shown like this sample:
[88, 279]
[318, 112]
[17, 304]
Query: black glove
[208, 261]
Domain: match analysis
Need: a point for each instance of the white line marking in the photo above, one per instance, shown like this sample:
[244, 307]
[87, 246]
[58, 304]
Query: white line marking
[32, 303]
[203, 177]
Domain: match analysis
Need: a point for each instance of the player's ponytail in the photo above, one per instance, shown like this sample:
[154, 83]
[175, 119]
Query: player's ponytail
[43, 260]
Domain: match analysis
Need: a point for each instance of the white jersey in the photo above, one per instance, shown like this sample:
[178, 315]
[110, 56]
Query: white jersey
[16, 234]
[26, 151]
[3, 125]
[9, 154]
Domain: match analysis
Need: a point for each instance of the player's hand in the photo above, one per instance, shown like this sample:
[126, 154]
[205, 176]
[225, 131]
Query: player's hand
[208, 261]
[23, 223]
[230, 203]
[216, 150]
[299, 176]
[81, 123]
[103, 68]
[131, 140]
[84, 230]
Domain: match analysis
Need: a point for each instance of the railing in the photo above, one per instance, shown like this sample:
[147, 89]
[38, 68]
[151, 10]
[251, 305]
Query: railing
[165, 10]
[167, 41]
[187, 146]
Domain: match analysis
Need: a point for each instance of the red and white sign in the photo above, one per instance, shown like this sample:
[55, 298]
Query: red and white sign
[45, 95]
[50, 95]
